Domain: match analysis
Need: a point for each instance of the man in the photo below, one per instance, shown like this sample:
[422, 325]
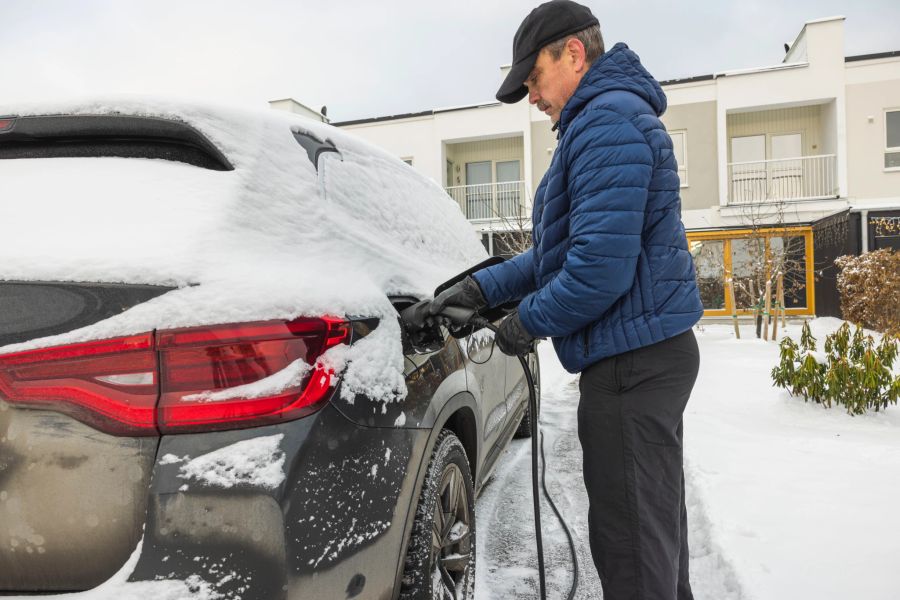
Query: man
[609, 278]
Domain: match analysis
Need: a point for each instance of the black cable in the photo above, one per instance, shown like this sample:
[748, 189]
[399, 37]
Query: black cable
[574, 587]
[532, 404]
[533, 410]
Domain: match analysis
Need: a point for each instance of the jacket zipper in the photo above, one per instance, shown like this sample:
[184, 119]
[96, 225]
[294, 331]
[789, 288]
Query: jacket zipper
[587, 340]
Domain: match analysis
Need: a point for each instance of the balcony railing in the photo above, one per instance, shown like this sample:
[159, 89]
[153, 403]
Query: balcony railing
[491, 200]
[801, 178]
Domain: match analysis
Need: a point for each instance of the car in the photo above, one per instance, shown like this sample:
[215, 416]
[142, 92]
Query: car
[205, 387]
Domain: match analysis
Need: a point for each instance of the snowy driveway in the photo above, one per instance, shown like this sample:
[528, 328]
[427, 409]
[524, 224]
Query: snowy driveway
[786, 500]
[507, 561]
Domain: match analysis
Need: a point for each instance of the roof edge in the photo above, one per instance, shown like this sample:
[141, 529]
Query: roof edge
[424, 113]
[873, 56]
[412, 115]
[692, 79]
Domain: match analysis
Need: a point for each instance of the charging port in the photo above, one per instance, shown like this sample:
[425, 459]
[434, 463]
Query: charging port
[417, 340]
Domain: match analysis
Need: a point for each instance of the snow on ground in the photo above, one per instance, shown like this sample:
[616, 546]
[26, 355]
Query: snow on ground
[786, 499]
[507, 561]
[802, 500]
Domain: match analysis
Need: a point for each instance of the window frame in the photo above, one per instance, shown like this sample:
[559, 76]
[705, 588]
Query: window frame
[889, 149]
[684, 152]
[728, 235]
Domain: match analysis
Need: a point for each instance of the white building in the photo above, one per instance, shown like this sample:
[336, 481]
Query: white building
[786, 149]
[293, 106]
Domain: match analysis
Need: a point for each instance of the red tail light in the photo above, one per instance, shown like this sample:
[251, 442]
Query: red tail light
[109, 384]
[200, 377]
[200, 360]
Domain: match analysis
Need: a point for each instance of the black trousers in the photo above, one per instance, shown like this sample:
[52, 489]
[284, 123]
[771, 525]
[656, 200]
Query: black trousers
[630, 427]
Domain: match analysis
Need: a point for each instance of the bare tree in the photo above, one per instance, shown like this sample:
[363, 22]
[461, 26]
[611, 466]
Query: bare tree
[767, 251]
[510, 212]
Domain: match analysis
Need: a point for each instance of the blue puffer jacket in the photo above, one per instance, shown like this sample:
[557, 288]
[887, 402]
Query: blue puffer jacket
[610, 269]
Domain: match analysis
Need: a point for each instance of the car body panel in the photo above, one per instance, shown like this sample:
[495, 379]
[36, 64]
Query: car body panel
[347, 492]
[437, 376]
[67, 491]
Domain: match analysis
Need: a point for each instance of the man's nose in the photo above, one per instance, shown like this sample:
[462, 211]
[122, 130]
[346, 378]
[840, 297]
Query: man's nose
[532, 96]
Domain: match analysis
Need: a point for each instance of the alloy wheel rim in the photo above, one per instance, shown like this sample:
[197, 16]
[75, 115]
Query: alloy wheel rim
[452, 551]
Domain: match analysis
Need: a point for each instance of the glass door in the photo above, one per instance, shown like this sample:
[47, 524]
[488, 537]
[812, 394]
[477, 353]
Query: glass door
[478, 190]
[508, 184]
[787, 172]
[748, 168]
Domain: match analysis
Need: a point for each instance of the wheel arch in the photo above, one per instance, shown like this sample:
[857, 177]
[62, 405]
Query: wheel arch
[459, 415]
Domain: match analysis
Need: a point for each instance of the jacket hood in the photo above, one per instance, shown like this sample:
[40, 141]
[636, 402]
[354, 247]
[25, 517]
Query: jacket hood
[617, 69]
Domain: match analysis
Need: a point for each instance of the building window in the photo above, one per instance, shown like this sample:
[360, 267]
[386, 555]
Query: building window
[745, 260]
[892, 139]
[679, 147]
[709, 262]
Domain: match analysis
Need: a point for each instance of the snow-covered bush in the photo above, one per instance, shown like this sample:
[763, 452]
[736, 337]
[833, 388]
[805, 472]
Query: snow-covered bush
[870, 287]
[856, 373]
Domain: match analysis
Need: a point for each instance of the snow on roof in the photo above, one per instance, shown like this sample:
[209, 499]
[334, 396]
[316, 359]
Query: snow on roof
[271, 239]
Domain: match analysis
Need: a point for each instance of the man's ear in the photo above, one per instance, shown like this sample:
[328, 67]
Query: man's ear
[576, 54]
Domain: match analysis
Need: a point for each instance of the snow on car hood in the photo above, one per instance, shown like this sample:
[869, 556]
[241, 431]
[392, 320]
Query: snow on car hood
[271, 239]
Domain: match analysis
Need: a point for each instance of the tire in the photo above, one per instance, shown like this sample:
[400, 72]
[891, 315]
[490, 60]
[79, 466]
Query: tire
[524, 430]
[440, 566]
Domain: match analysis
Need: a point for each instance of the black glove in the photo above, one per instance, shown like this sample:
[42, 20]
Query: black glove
[466, 293]
[512, 339]
[417, 317]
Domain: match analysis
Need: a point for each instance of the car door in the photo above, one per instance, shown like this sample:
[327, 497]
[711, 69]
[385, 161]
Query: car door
[486, 375]
[516, 390]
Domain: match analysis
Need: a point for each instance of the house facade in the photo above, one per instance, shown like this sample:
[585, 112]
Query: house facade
[799, 161]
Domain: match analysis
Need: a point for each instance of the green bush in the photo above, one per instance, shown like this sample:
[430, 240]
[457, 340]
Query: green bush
[857, 373]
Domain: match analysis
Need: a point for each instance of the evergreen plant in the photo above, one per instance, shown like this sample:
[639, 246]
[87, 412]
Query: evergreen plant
[856, 374]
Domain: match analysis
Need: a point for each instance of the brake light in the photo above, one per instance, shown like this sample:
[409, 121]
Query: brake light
[6, 123]
[109, 384]
[192, 379]
[235, 376]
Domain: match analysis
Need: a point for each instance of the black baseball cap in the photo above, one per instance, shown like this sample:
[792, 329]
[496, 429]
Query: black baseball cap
[547, 23]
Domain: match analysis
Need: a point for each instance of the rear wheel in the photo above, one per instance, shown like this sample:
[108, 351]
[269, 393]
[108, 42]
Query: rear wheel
[440, 559]
[524, 430]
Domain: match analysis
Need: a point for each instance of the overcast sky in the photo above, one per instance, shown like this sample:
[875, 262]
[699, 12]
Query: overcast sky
[373, 58]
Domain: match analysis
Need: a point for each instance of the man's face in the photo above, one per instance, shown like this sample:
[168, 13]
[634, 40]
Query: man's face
[552, 82]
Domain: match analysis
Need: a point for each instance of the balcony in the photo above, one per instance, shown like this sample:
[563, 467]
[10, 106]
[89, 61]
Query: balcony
[801, 178]
[501, 201]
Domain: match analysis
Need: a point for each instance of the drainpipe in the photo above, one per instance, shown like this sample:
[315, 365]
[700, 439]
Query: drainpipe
[864, 224]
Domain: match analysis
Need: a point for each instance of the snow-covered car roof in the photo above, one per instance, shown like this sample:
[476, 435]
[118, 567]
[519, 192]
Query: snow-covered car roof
[164, 222]
[272, 238]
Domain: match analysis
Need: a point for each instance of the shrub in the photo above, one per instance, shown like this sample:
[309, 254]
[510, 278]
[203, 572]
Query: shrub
[870, 287]
[856, 374]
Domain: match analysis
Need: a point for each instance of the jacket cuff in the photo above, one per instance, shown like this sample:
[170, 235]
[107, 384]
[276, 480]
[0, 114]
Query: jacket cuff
[487, 286]
[525, 320]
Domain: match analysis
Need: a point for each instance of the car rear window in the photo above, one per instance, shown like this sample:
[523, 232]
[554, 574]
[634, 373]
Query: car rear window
[81, 136]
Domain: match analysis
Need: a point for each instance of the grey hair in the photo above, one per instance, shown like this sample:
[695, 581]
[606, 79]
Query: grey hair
[590, 38]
